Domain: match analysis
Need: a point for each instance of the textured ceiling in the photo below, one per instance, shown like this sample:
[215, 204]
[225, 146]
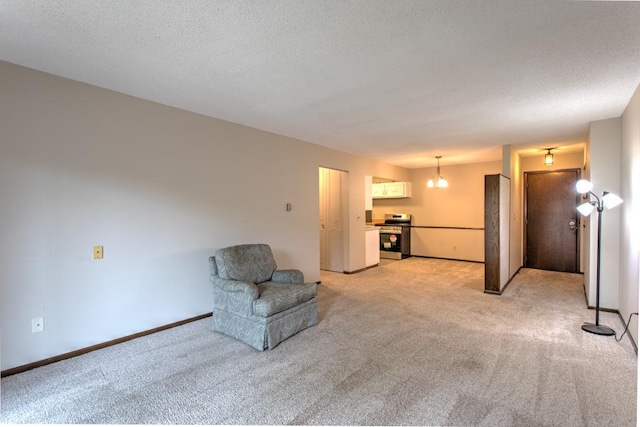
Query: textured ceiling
[398, 81]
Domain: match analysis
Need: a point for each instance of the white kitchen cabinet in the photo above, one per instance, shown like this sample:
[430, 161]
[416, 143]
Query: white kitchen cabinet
[391, 190]
[377, 191]
[372, 246]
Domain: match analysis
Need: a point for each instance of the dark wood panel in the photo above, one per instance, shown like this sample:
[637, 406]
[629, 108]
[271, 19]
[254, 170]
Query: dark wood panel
[492, 233]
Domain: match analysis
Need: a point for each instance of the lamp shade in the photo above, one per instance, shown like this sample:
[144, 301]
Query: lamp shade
[548, 158]
[610, 200]
[585, 209]
[583, 186]
[438, 181]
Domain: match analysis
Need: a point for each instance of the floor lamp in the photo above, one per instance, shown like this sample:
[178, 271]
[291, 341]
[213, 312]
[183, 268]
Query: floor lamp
[608, 200]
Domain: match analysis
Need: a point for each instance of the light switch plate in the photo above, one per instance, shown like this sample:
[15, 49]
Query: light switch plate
[98, 252]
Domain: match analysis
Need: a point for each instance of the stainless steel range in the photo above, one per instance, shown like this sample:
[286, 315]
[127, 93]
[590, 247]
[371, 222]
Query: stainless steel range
[395, 236]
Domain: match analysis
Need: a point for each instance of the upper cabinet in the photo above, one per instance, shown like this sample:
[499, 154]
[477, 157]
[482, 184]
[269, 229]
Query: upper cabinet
[377, 191]
[391, 190]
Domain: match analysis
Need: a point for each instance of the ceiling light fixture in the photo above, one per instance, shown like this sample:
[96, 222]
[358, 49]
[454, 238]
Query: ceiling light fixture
[437, 181]
[548, 158]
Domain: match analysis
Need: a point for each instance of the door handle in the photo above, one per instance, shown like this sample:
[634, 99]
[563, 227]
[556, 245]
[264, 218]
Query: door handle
[572, 225]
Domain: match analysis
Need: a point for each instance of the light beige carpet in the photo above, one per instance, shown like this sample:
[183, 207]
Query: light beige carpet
[414, 342]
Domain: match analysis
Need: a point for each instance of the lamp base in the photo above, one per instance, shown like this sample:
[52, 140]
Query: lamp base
[598, 329]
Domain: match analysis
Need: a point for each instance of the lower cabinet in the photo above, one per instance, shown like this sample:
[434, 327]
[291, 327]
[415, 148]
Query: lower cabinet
[372, 247]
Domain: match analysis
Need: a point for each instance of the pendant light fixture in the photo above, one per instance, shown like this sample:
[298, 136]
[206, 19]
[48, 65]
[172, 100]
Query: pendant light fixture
[437, 181]
[548, 158]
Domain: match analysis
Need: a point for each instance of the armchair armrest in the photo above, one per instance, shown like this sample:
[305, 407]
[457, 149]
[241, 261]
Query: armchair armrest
[288, 276]
[229, 285]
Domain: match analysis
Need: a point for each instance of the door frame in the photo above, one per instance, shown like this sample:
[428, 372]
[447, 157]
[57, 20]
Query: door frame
[525, 215]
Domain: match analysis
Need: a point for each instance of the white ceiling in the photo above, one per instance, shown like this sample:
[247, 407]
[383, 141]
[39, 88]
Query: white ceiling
[398, 81]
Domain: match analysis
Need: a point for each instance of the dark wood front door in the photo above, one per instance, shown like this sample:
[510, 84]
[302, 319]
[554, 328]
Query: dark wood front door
[551, 220]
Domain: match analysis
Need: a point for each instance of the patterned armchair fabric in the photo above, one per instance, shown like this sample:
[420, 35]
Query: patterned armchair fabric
[256, 303]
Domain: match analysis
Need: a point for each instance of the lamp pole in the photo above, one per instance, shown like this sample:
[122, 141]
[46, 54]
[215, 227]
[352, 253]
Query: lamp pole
[591, 327]
[608, 200]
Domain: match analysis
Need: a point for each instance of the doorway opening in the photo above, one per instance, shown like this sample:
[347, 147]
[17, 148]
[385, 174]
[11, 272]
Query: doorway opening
[551, 220]
[334, 224]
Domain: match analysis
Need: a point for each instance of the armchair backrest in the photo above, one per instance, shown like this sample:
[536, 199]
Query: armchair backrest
[250, 263]
[213, 267]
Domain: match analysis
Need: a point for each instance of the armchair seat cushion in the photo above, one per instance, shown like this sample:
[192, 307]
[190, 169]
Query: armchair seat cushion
[277, 297]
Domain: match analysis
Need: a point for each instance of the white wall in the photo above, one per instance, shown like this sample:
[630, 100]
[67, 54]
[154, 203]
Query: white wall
[630, 213]
[604, 172]
[161, 189]
[505, 232]
[561, 161]
[514, 171]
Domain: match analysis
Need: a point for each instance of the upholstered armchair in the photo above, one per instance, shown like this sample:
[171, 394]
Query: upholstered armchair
[256, 303]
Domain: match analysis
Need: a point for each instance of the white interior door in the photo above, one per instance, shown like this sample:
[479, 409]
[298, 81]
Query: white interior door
[332, 227]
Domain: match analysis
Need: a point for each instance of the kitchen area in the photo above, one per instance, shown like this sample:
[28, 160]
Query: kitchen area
[414, 218]
[388, 237]
[405, 217]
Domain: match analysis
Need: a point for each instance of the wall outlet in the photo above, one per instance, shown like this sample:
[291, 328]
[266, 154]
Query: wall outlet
[37, 324]
[98, 252]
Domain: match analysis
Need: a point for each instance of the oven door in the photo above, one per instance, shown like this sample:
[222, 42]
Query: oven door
[390, 241]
